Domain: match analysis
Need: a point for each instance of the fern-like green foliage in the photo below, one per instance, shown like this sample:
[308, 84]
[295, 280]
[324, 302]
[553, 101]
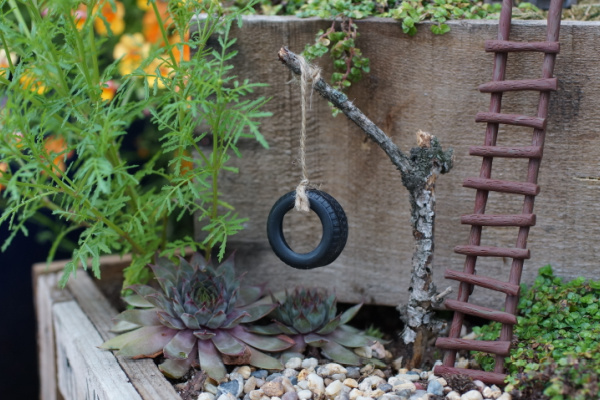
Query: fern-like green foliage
[558, 338]
[62, 144]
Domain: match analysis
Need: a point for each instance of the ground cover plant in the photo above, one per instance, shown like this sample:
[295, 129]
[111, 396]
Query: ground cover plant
[557, 339]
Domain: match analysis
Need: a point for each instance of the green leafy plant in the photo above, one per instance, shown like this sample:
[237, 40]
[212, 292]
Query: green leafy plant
[309, 317]
[558, 338]
[198, 318]
[63, 143]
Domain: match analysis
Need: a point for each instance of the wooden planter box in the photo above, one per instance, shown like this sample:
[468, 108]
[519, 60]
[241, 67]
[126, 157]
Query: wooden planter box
[426, 82]
[71, 324]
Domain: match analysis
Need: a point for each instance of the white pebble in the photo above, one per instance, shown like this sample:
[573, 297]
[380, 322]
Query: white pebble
[227, 396]
[206, 396]
[420, 395]
[334, 388]
[404, 386]
[304, 394]
[350, 382]
[316, 384]
[495, 392]
[453, 396]
[255, 394]
[244, 371]
[338, 377]
[303, 385]
[355, 393]
[472, 395]
[293, 363]
[311, 362]
[364, 398]
[480, 385]
[364, 351]
[288, 372]
[250, 384]
[408, 377]
[442, 382]
[462, 363]
[370, 382]
[210, 388]
[505, 396]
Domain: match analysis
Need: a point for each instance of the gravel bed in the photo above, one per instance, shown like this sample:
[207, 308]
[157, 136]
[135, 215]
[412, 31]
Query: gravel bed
[306, 379]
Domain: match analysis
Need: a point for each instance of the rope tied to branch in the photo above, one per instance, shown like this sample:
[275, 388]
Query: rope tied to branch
[308, 73]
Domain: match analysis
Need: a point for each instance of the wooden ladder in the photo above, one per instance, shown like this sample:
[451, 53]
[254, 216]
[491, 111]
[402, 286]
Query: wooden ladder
[484, 184]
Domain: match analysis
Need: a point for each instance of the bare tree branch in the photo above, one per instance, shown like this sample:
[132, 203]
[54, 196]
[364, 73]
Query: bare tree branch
[340, 100]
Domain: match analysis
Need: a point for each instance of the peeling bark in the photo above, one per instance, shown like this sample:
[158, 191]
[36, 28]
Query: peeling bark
[419, 172]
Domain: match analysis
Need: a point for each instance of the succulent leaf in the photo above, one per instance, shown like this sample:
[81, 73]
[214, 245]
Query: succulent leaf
[330, 326]
[315, 340]
[145, 341]
[175, 369]
[271, 344]
[349, 314]
[171, 322]
[145, 317]
[123, 326]
[228, 344]
[181, 345]
[234, 318]
[249, 294]
[257, 312]
[210, 360]
[348, 339]
[340, 354]
[272, 329]
[136, 300]
[263, 361]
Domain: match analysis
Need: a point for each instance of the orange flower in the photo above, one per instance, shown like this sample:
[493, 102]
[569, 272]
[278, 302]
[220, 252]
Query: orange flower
[179, 55]
[109, 88]
[160, 65]
[29, 81]
[4, 64]
[185, 165]
[150, 25]
[56, 147]
[3, 168]
[114, 18]
[132, 50]
[80, 16]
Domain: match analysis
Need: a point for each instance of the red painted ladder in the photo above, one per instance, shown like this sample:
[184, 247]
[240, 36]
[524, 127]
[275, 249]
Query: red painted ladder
[484, 184]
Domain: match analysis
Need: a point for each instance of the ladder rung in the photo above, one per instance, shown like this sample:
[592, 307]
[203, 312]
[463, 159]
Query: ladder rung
[501, 46]
[487, 346]
[491, 251]
[498, 220]
[543, 85]
[491, 378]
[481, 312]
[511, 119]
[496, 185]
[508, 152]
[482, 281]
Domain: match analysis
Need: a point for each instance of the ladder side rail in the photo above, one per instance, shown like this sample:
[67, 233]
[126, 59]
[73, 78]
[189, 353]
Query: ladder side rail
[553, 30]
[499, 74]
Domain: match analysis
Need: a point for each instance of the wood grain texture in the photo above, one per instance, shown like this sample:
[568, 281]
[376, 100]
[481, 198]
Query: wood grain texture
[428, 82]
[490, 378]
[491, 251]
[84, 371]
[481, 312]
[487, 346]
[508, 46]
[525, 84]
[506, 151]
[483, 281]
[497, 185]
[498, 220]
[511, 119]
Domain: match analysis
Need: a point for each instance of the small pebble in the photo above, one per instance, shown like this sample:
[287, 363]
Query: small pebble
[304, 394]
[505, 396]
[339, 377]
[289, 372]
[273, 388]
[260, 374]
[308, 363]
[255, 394]
[453, 396]
[206, 396]
[294, 380]
[227, 396]
[250, 385]
[385, 387]
[352, 372]
[370, 382]
[232, 387]
[290, 396]
[480, 385]
[405, 386]
[350, 382]
[472, 395]
[355, 393]
[274, 376]
[420, 395]
[405, 393]
[316, 384]
[294, 363]
[342, 396]
[244, 371]
[334, 388]
[210, 388]
[408, 377]
[435, 388]
[259, 382]
[303, 385]
[494, 392]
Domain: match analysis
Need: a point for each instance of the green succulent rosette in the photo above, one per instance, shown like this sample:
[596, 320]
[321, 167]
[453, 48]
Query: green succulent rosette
[198, 319]
[309, 317]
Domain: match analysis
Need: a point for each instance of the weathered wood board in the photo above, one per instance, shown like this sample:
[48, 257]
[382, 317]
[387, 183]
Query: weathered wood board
[71, 324]
[423, 82]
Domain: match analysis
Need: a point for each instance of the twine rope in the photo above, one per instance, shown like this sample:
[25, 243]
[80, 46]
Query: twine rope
[312, 74]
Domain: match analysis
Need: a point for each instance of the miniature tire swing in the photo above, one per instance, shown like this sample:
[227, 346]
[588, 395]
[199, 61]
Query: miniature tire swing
[330, 212]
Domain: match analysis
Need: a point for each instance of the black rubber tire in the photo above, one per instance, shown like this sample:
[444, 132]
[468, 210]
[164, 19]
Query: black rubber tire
[335, 230]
